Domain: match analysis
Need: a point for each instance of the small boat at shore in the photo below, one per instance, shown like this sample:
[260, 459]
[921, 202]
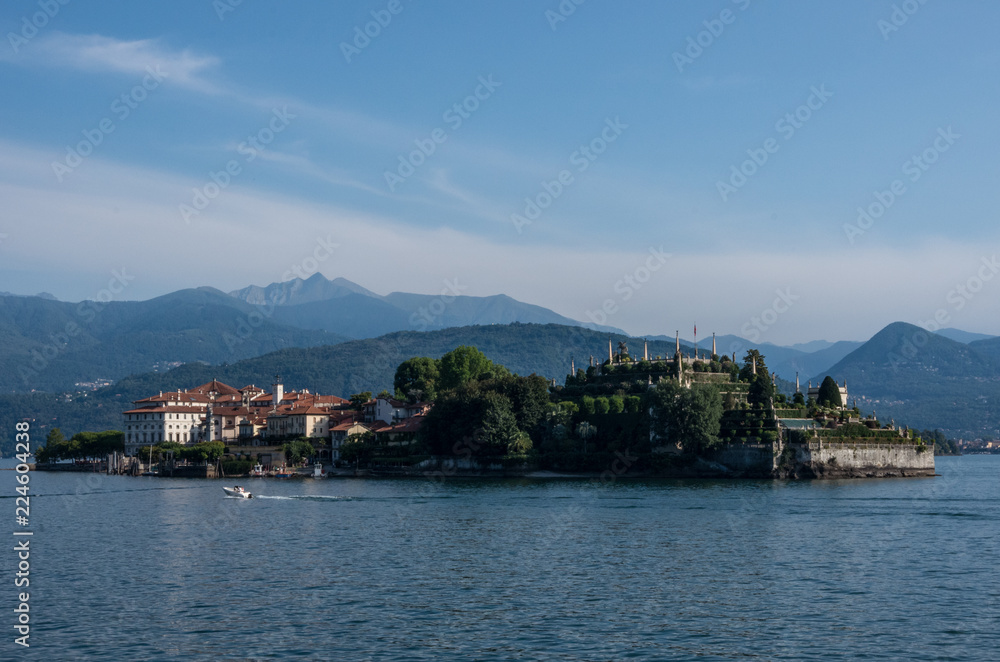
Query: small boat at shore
[237, 491]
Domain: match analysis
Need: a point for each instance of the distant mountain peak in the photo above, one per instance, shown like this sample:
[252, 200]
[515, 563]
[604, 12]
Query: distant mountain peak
[40, 295]
[963, 336]
[296, 291]
[346, 308]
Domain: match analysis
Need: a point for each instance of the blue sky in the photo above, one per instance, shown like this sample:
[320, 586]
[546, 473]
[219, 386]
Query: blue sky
[626, 124]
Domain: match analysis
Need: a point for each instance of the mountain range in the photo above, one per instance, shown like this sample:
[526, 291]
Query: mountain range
[345, 338]
[926, 380]
[345, 308]
[51, 345]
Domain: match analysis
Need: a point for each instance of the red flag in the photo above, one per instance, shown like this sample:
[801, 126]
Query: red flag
[696, 330]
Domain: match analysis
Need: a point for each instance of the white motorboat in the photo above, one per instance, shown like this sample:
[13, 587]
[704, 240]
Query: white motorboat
[318, 470]
[237, 491]
[257, 471]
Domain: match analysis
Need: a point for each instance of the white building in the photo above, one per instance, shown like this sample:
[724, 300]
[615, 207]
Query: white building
[813, 393]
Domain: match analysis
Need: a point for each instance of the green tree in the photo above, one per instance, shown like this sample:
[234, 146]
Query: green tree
[585, 431]
[358, 400]
[529, 399]
[358, 448]
[205, 451]
[587, 406]
[690, 417]
[498, 433]
[799, 399]
[462, 365]
[829, 394]
[616, 404]
[752, 357]
[110, 441]
[416, 379]
[94, 444]
[298, 451]
[761, 393]
[633, 403]
[558, 416]
[489, 418]
[55, 445]
[601, 405]
[570, 407]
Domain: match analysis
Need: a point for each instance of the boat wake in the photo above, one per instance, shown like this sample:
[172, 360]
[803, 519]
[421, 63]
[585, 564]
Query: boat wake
[305, 497]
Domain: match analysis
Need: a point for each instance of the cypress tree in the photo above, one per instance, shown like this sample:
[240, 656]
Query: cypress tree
[829, 394]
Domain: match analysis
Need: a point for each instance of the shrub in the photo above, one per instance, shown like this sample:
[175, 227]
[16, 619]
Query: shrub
[616, 404]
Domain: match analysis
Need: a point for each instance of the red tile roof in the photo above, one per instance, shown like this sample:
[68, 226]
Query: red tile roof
[214, 385]
[411, 424]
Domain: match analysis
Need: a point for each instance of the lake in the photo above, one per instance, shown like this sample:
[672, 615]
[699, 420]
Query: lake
[415, 569]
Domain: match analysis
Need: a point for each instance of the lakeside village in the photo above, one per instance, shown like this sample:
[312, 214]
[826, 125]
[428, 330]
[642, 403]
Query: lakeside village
[687, 415]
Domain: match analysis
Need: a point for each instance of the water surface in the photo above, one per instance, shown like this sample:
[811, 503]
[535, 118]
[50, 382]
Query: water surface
[366, 569]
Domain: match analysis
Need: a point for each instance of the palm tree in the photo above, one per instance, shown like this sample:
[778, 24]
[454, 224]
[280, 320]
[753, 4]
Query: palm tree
[585, 431]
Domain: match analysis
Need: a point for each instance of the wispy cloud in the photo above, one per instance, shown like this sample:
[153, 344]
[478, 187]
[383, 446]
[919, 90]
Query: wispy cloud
[96, 53]
[116, 201]
[304, 166]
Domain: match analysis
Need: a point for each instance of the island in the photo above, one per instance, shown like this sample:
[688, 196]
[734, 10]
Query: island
[694, 414]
